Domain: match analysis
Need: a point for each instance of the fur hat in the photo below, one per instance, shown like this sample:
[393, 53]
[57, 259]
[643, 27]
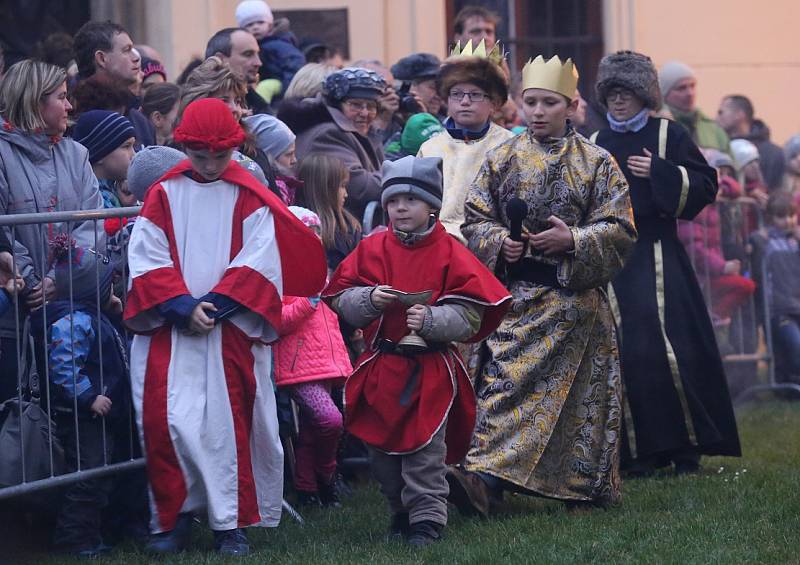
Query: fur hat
[630, 70]
[418, 66]
[420, 176]
[474, 70]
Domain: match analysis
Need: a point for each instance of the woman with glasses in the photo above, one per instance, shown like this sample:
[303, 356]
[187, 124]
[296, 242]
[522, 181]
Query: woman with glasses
[474, 89]
[677, 403]
[337, 124]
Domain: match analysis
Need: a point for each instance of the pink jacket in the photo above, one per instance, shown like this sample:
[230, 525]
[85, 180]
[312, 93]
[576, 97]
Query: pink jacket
[702, 237]
[311, 347]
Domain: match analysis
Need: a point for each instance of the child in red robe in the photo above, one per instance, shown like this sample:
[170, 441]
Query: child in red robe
[414, 407]
[210, 257]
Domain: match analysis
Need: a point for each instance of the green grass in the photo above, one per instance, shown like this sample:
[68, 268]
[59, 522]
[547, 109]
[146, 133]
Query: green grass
[737, 511]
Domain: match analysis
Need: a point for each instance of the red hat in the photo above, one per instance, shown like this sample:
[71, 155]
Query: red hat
[209, 124]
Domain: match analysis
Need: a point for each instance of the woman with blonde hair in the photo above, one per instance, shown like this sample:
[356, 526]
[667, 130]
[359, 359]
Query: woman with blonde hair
[307, 82]
[40, 171]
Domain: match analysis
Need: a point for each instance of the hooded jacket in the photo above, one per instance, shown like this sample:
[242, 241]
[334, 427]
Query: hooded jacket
[40, 174]
[321, 128]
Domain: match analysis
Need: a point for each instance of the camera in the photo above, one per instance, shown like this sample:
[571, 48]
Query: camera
[408, 103]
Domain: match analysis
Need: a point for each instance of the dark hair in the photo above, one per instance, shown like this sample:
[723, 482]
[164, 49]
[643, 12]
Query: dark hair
[193, 64]
[742, 103]
[100, 93]
[160, 97]
[57, 49]
[781, 204]
[220, 42]
[93, 37]
[468, 12]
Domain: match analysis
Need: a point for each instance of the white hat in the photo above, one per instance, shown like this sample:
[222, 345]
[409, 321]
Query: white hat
[251, 11]
[671, 73]
[744, 152]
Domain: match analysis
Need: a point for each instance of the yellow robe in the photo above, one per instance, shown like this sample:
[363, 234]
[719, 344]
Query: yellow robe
[549, 388]
[461, 162]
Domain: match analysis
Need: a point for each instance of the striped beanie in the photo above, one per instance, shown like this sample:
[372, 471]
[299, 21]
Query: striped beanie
[101, 132]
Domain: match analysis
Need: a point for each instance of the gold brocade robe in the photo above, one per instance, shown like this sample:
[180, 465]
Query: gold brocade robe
[461, 161]
[549, 389]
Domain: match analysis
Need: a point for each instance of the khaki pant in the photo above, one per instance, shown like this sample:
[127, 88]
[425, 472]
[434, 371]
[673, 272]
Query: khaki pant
[415, 483]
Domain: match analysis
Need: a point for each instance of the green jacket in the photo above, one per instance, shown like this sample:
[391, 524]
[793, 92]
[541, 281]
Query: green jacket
[705, 131]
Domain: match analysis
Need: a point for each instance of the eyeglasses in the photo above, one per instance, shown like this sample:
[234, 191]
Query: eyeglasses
[474, 96]
[369, 107]
[622, 93]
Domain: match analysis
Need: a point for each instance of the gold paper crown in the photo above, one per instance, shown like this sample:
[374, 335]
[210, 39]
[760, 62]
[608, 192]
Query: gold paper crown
[551, 75]
[495, 55]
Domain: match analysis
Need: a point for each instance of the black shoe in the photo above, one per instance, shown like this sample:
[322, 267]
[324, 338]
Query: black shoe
[173, 541]
[308, 499]
[398, 526]
[329, 494]
[425, 533]
[232, 543]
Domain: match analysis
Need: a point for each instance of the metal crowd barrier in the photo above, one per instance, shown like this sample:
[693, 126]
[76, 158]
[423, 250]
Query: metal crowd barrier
[68, 223]
[745, 337]
[88, 223]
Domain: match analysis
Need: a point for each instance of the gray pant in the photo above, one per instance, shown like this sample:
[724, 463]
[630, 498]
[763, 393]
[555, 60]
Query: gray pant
[415, 483]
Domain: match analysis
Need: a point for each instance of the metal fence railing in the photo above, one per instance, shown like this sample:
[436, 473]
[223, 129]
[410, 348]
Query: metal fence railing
[732, 278]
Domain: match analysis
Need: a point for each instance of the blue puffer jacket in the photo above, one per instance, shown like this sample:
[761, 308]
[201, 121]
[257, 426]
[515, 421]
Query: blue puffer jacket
[280, 58]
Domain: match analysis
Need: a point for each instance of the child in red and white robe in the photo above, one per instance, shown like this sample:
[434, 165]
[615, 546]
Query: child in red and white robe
[210, 257]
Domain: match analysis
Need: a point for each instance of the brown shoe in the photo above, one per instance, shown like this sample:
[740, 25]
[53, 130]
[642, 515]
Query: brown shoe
[468, 492]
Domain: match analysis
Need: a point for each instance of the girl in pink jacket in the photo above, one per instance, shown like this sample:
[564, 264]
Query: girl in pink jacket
[310, 358]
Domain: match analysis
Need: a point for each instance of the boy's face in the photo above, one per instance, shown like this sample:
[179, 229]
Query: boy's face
[546, 112]
[259, 29]
[209, 164]
[114, 166]
[785, 223]
[408, 213]
[466, 113]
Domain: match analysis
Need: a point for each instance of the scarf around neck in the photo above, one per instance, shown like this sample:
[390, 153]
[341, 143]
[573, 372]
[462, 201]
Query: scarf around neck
[634, 124]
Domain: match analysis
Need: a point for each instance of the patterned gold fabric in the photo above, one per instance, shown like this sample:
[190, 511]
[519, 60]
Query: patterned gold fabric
[549, 393]
[461, 161]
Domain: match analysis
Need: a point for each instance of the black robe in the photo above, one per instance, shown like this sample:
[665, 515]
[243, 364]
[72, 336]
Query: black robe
[677, 399]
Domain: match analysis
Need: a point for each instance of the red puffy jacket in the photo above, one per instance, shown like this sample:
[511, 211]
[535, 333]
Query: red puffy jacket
[311, 347]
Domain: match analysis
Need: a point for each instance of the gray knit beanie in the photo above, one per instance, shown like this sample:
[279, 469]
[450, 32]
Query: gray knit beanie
[671, 73]
[631, 70]
[418, 176]
[149, 165]
[273, 137]
[743, 152]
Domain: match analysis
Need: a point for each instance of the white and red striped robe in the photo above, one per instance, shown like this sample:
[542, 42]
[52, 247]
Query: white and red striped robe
[205, 404]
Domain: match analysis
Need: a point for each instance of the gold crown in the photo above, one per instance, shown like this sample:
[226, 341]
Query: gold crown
[495, 55]
[551, 75]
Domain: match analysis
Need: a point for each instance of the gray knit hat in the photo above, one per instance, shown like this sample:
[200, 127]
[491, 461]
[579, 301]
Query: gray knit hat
[353, 82]
[273, 137]
[149, 165]
[743, 152]
[631, 70]
[671, 73]
[419, 176]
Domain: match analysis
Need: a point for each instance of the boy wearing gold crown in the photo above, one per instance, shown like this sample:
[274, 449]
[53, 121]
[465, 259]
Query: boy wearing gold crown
[549, 393]
[474, 87]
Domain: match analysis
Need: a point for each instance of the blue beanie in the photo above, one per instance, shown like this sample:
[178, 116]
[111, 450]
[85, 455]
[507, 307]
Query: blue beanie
[101, 132]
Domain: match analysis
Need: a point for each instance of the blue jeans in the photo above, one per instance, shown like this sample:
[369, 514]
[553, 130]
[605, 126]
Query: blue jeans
[786, 334]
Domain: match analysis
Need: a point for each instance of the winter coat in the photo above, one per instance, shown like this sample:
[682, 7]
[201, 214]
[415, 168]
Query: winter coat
[311, 347]
[280, 58]
[324, 129]
[705, 132]
[40, 174]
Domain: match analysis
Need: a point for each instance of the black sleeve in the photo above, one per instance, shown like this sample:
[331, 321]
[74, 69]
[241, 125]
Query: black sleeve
[5, 244]
[683, 183]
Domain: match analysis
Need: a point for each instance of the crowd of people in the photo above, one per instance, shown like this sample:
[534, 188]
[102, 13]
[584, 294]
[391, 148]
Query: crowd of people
[484, 281]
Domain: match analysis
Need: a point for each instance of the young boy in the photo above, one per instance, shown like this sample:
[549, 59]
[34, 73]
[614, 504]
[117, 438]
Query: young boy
[415, 409]
[110, 138]
[210, 256]
[779, 253]
[88, 370]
